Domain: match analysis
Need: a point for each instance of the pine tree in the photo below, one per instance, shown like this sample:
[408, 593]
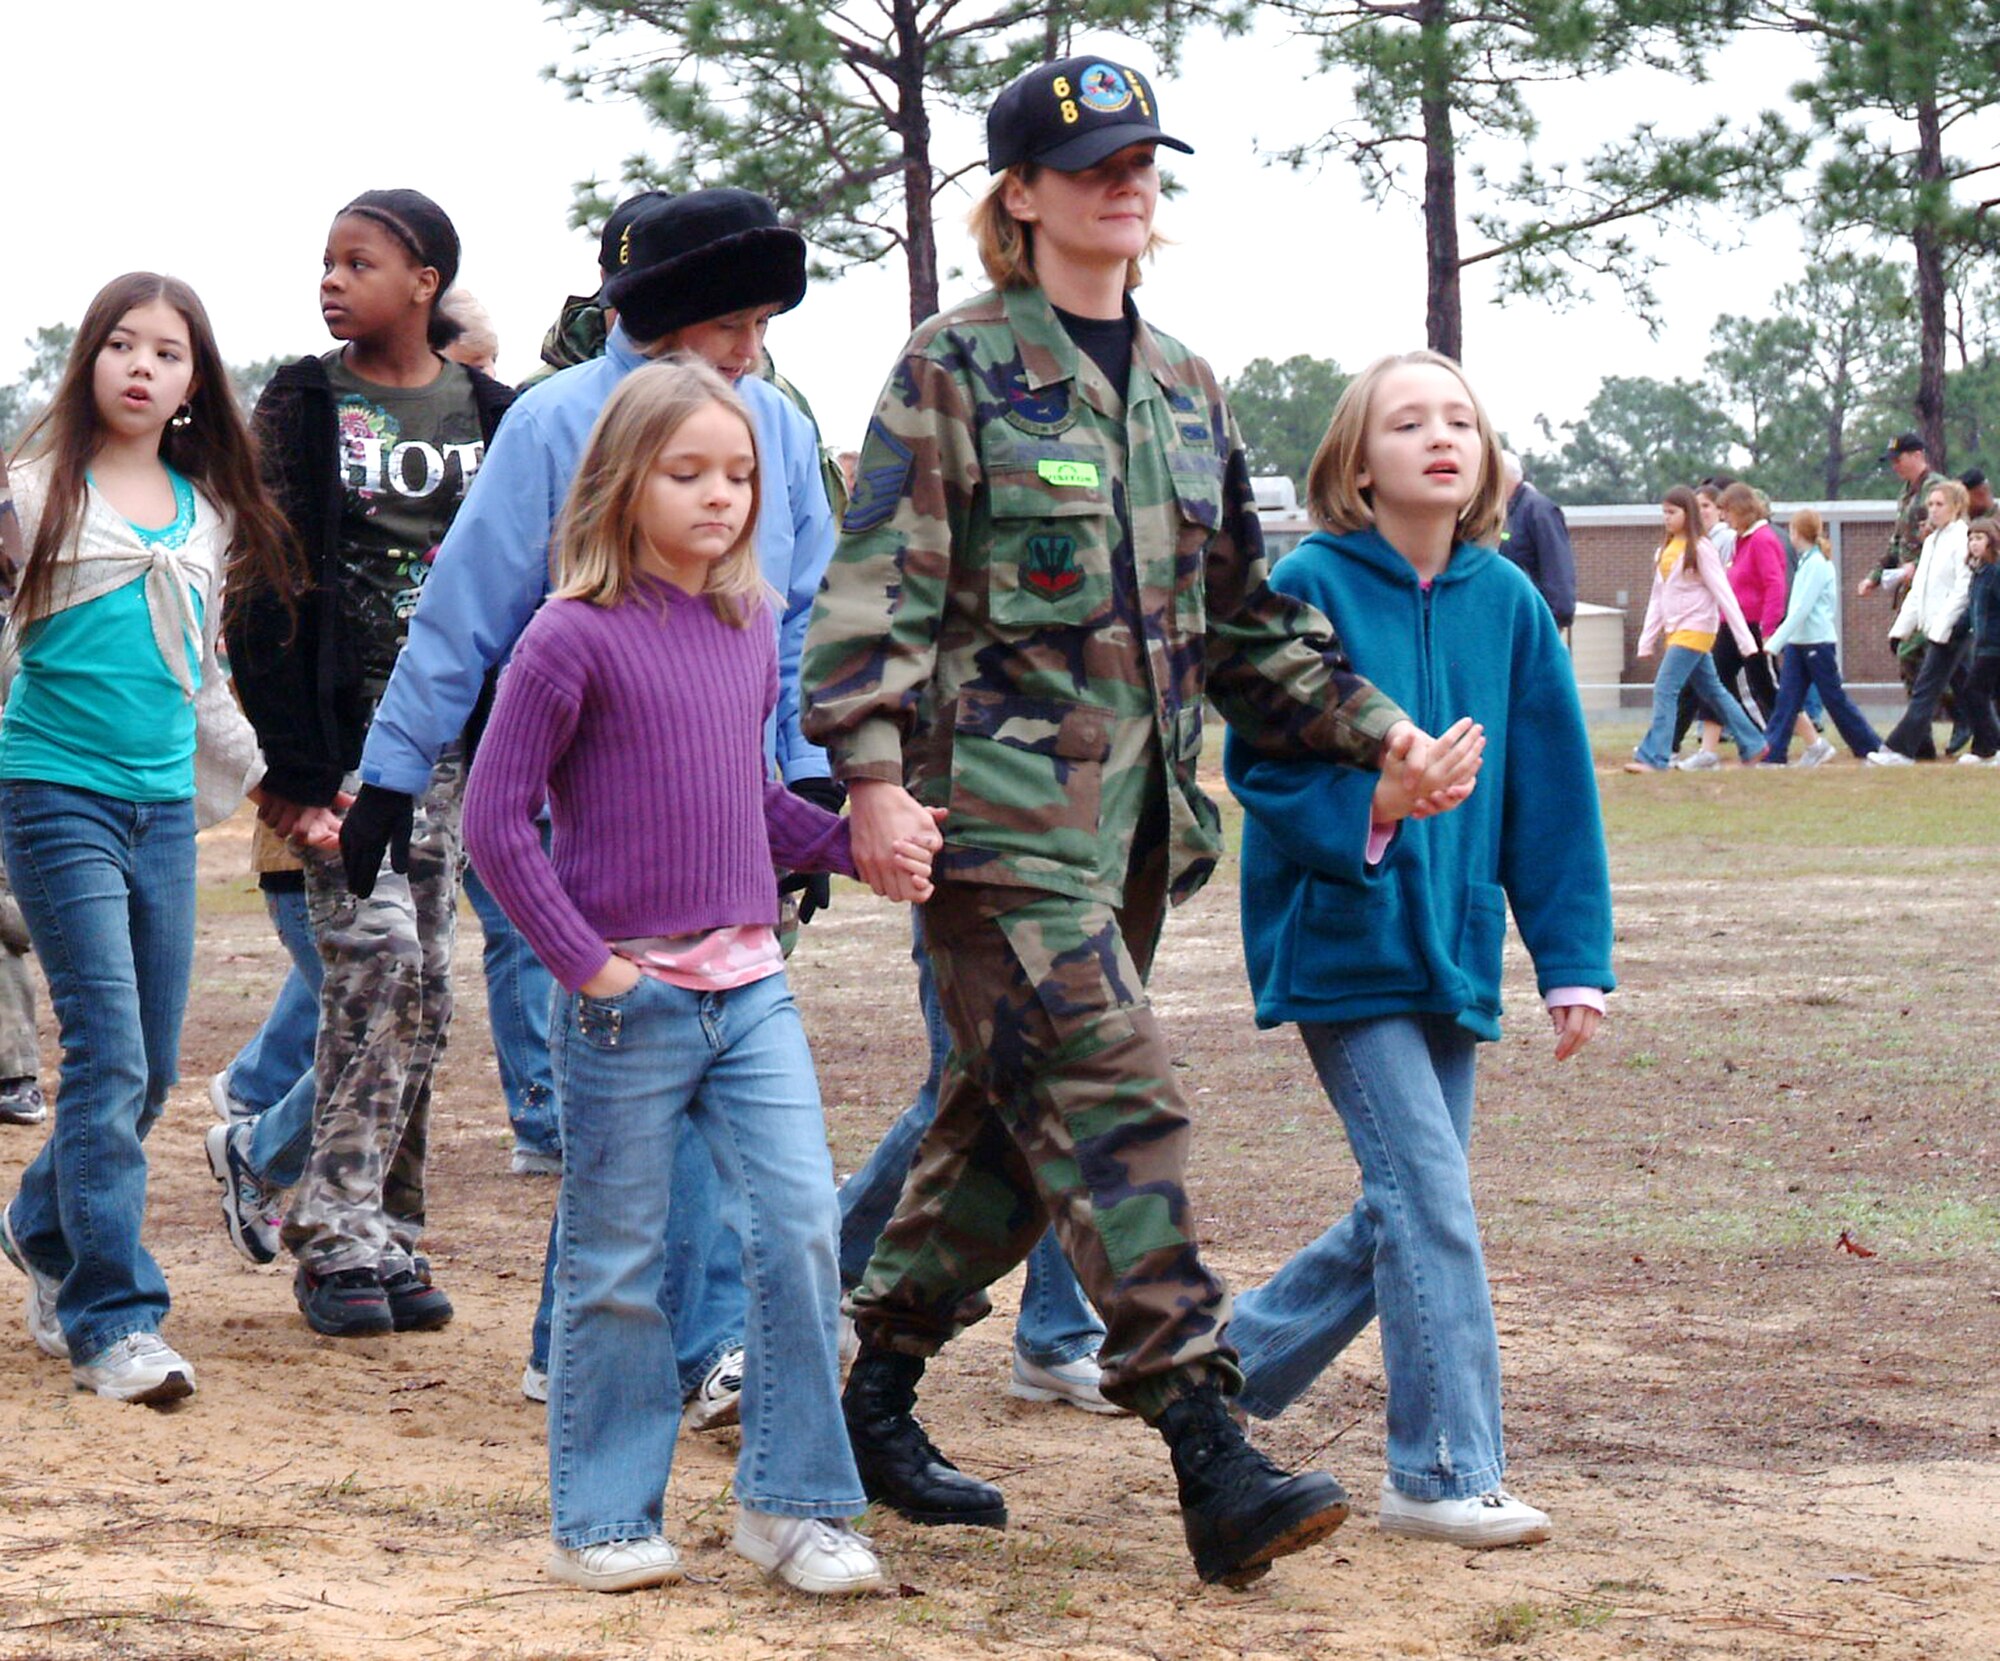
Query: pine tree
[827, 109]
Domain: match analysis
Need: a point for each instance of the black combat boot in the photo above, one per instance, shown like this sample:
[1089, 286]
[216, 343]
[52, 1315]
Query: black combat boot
[898, 1464]
[1240, 1511]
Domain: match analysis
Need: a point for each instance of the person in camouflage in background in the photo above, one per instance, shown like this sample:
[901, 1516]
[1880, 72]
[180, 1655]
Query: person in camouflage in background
[1912, 464]
[1048, 558]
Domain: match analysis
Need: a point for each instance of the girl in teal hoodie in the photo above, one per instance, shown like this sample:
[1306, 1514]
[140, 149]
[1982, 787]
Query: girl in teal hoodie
[1380, 934]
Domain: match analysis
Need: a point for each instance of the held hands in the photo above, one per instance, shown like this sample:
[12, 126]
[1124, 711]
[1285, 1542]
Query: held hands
[894, 838]
[1424, 776]
[314, 827]
[1576, 1025]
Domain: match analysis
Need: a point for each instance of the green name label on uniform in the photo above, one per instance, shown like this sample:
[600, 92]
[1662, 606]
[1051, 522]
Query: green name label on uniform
[1067, 472]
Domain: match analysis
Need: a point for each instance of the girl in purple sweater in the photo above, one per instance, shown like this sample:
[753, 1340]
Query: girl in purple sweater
[635, 706]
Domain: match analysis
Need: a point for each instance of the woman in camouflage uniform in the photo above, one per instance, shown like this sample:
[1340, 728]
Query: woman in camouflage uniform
[1050, 557]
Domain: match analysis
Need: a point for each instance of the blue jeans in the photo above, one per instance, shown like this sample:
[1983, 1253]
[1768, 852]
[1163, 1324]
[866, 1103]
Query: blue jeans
[280, 1051]
[702, 1293]
[518, 989]
[107, 888]
[1807, 668]
[630, 1071]
[281, 1135]
[1057, 1323]
[1682, 666]
[1403, 1088]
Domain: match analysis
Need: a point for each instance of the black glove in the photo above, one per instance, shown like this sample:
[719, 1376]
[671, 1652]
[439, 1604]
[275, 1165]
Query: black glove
[379, 822]
[814, 888]
[830, 794]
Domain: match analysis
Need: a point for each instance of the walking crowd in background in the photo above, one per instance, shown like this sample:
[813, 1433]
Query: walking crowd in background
[1749, 625]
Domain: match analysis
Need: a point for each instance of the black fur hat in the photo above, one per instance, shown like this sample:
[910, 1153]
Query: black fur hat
[703, 255]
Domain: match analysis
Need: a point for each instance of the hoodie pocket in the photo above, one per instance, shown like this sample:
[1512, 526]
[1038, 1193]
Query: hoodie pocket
[1481, 939]
[1356, 941]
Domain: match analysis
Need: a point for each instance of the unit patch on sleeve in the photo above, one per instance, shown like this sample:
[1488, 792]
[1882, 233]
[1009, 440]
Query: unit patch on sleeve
[879, 480]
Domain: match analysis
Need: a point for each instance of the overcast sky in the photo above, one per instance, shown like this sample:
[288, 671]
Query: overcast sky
[215, 138]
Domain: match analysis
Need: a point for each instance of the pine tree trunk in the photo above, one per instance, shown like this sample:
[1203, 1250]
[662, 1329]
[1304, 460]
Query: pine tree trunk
[920, 230]
[1444, 322]
[919, 225]
[1931, 186]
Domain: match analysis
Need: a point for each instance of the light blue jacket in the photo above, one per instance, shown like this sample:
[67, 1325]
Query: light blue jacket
[1326, 936]
[1809, 615]
[492, 569]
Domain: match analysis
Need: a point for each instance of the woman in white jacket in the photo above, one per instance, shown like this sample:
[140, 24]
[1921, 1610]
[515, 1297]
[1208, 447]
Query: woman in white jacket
[1936, 607]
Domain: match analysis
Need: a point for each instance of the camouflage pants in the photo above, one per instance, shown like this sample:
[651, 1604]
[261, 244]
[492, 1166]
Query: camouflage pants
[1058, 1105]
[18, 1053]
[384, 1007]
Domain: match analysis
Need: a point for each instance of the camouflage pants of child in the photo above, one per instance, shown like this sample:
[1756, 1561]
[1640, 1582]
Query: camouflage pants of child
[384, 1008]
[1058, 1105]
[18, 1053]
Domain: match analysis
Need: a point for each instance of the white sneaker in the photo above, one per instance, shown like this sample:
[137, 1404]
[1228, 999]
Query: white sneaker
[1477, 1522]
[1817, 751]
[719, 1400]
[821, 1555]
[531, 1162]
[535, 1382]
[1886, 757]
[1700, 762]
[230, 1109]
[1971, 760]
[1075, 1382]
[140, 1367]
[247, 1211]
[617, 1565]
[39, 1305]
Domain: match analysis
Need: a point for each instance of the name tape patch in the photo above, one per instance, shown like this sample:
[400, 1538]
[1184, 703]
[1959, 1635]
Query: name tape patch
[1082, 473]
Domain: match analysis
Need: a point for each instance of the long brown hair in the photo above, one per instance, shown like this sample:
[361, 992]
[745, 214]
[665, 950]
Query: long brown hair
[1683, 498]
[214, 450]
[598, 542]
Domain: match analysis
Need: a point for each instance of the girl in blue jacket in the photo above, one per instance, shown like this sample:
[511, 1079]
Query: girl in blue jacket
[1380, 934]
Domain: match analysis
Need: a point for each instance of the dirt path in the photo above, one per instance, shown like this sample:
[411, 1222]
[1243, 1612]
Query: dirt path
[1754, 1443]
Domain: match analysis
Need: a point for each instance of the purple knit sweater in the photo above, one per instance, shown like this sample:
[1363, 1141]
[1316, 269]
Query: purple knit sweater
[642, 726]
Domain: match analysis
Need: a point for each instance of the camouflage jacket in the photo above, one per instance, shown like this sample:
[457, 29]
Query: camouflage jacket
[1036, 584]
[576, 336]
[1906, 536]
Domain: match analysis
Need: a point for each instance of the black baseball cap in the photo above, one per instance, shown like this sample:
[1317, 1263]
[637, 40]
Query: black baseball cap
[1071, 115]
[1905, 444]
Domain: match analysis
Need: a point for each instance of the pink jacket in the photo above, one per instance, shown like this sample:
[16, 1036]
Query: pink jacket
[1757, 574]
[1697, 603]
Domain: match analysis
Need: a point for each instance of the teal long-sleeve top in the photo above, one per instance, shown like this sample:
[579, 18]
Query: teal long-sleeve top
[1809, 616]
[1328, 937]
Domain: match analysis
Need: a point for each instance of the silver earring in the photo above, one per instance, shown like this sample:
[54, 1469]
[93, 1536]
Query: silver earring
[183, 417]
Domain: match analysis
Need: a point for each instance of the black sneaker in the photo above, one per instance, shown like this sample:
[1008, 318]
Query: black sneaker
[415, 1305]
[348, 1303]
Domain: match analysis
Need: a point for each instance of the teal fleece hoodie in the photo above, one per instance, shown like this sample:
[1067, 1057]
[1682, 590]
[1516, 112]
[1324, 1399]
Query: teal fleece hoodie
[1327, 937]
